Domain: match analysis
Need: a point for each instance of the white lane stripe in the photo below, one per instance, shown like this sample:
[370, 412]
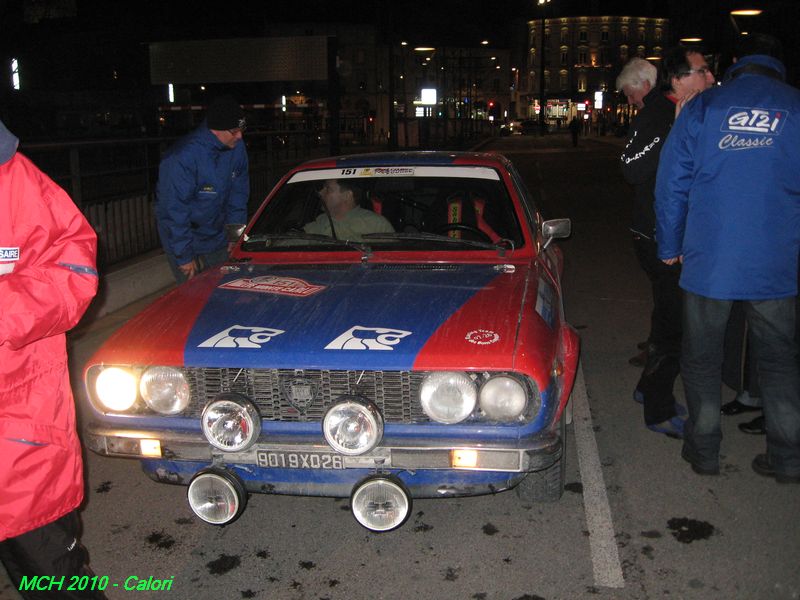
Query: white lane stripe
[605, 557]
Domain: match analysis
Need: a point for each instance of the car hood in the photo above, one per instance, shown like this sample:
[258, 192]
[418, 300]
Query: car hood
[382, 316]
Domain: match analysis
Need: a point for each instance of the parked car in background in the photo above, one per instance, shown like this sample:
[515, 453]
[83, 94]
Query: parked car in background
[513, 127]
[530, 127]
[425, 356]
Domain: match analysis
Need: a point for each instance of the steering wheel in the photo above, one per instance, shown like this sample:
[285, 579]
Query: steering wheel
[463, 227]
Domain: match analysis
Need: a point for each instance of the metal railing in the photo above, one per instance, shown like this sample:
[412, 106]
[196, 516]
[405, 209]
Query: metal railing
[113, 182]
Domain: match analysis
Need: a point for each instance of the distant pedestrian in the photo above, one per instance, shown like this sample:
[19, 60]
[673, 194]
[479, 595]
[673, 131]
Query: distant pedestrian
[574, 130]
[728, 208]
[203, 184]
[47, 279]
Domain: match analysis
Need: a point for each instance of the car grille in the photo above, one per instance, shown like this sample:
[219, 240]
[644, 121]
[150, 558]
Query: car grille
[300, 395]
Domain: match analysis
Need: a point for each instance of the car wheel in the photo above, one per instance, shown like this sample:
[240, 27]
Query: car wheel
[546, 485]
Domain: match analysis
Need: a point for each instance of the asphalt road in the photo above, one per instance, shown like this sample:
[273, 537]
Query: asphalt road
[635, 522]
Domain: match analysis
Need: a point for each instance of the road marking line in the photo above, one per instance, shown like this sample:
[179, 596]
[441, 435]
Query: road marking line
[605, 556]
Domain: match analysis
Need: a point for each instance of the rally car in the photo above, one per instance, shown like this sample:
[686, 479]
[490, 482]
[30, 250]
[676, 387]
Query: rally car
[425, 355]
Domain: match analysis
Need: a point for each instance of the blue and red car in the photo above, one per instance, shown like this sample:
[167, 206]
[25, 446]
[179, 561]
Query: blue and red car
[424, 355]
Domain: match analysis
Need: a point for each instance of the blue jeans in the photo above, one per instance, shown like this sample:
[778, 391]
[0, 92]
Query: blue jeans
[772, 327]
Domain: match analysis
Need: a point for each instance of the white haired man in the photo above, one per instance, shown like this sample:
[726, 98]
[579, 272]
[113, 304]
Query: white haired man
[657, 110]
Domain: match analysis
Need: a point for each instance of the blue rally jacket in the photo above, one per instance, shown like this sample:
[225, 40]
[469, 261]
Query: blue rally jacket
[728, 186]
[202, 185]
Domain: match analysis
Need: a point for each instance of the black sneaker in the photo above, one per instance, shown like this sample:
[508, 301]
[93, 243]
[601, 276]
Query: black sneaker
[734, 407]
[754, 427]
[700, 470]
[762, 466]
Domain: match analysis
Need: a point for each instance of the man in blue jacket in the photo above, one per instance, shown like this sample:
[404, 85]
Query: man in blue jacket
[728, 207]
[203, 184]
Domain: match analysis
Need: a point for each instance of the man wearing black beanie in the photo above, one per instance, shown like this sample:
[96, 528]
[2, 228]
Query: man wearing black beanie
[203, 184]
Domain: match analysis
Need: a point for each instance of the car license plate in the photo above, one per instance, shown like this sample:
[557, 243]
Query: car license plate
[298, 460]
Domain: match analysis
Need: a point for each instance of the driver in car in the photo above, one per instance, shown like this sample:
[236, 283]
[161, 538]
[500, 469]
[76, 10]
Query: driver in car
[343, 218]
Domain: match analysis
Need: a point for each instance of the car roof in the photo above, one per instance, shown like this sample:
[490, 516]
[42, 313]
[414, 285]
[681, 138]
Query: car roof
[430, 158]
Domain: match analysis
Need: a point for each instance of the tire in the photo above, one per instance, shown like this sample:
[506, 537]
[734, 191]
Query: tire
[546, 485]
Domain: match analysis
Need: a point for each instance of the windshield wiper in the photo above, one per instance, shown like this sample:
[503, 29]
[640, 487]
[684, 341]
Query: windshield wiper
[501, 246]
[267, 240]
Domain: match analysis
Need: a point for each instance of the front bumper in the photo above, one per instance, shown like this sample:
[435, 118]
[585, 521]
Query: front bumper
[430, 468]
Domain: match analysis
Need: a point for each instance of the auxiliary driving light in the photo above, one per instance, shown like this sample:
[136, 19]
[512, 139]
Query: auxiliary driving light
[353, 426]
[380, 503]
[231, 422]
[216, 496]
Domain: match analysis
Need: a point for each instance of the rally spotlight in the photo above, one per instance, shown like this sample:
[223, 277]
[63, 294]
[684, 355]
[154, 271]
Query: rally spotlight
[217, 496]
[380, 503]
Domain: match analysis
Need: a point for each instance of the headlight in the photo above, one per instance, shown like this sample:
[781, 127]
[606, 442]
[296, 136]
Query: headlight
[116, 388]
[503, 398]
[231, 422]
[353, 426]
[165, 390]
[448, 397]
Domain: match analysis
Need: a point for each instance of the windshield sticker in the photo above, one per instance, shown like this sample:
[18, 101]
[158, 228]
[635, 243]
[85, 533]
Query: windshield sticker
[482, 337]
[368, 338]
[271, 284]
[459, 172]
[394, 171]
[241, 336]
[544, 303]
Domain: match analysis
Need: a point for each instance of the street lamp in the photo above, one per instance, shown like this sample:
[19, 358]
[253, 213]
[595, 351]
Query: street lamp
[742, 12]
[542, 95]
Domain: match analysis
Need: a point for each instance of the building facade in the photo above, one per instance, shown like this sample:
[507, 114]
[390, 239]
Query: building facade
[583, 55]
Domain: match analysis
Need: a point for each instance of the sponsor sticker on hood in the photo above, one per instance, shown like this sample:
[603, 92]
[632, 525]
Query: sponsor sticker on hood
[271, 284]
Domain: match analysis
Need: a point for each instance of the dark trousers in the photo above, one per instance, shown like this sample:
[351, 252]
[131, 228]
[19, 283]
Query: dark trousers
[53, 550]
[771, 325]
[663, 366]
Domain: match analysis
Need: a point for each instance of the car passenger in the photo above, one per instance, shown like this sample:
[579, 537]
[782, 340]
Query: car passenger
[343, 213]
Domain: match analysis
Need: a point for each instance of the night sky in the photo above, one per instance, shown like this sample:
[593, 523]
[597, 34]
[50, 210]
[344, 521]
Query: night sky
[114, 35]
[450, 22]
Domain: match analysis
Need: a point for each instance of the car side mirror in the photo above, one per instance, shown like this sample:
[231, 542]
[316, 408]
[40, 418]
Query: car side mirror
[555, 228]
[233, 231]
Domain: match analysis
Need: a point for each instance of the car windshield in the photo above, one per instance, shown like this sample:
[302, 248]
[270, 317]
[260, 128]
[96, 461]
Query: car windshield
[388, 208]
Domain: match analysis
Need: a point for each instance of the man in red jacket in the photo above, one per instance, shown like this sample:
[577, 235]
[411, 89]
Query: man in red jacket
[47, 279]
